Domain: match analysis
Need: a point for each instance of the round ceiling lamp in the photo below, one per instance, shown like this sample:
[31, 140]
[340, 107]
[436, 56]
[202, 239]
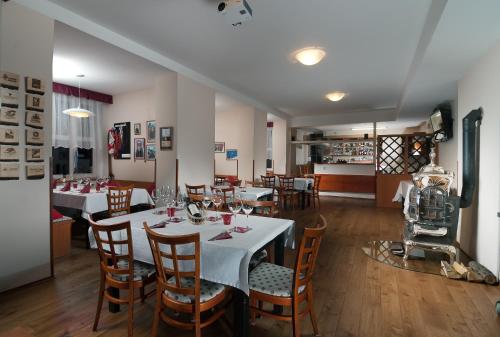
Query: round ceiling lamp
[336, 96]
[309, 56]
[78, 112]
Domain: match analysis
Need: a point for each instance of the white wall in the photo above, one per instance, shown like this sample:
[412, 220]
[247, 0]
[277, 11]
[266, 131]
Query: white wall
[26, 39]
[480, 87]
[448, 151]
[133, 107]
[196, 132]
[260, 142]
[279, 145]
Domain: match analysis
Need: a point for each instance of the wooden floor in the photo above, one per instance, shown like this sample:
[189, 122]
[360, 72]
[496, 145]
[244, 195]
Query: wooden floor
[355, 296]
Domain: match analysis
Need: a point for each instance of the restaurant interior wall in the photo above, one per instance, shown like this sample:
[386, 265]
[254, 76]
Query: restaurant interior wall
[26, 39]
[480, 230]
[280, 141]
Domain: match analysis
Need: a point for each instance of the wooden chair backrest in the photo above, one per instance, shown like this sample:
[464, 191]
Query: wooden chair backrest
[264, 208]
[317, 181]
[307, 255]
[196, 189]
[287, 183]
[113, 248]
[196, 197]
[227, 192]
[254, 183]
[268, 181]
[303, 170]
[119, 198]
[219, 181]
[168, 258]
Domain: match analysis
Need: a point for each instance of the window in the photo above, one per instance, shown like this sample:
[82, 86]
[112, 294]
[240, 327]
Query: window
[83, 161]
[269, 150]
[60, 160]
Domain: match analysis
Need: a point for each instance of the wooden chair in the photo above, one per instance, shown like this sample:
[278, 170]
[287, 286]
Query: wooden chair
[227, 193]
[288, 287]
[182, 290]
[119, 270]
[195, 197]
[196, 189]
[269, 181]
[314, 192]
[286, 191]
[254, 183]
[119, 200]
[219, 181]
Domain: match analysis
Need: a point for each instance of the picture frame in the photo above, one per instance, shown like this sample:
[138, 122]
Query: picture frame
[139, 149]
[35, 119]
[9, 153]
[34, 172]
[9, 116]
[9, 171]
[125, 151]
[220, 147]
[9, 97]
[35, 102]
[151, 131]
[9, 136]
[9, 80]
[34, 154]
[34, 85]
[231, 154]
[34, 137]
[166, 138]
[137, 129]
[150, 152]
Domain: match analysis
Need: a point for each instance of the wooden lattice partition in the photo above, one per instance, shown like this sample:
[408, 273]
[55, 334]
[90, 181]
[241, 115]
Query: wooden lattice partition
[398, 156]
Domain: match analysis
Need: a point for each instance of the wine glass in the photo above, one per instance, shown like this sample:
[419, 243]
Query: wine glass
[247, 209]
[155, 195]
[235, 207]
[217, 200]
[181, 203]
[207, 201]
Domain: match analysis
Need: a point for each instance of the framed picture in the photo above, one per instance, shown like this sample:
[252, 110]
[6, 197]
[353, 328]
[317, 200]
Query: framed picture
[9, 97]
[35, 86]
[34, 102]
[9, 80]
[124, 152]
[9, 153]
[166, 138]
[34, 137]
[137, 129]
[231, 154]
[151, 131]
[150, 152]
[220, 147]
[139, 148]
[34, 154]
[9, 136]
[35, 171]
[34, 119]
[9, 171]
[8, 116]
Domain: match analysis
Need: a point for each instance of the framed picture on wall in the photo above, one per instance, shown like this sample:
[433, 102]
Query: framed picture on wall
[35, 85]
[151, 152]
[151, 131]
[166, 138]
[9, 171]
[123, 131]
[8, 116]
[9, 80]
[34, 102]
[220, 147]
[231, 154]
[137, 129]
[139, 149]
[34, 119]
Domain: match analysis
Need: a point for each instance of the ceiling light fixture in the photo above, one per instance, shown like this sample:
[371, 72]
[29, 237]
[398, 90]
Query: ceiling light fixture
[78, 112]
[369, 128]
[309, 56]
[336, 96]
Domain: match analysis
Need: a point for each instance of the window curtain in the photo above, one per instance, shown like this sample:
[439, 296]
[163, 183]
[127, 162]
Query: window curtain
[71, 132]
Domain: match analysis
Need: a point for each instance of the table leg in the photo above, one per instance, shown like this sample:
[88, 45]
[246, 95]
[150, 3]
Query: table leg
[279, 259]
[303, 199]
[241, 314]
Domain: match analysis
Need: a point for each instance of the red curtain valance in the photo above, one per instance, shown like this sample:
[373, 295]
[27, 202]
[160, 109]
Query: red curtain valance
[84, 93]
[270, 124]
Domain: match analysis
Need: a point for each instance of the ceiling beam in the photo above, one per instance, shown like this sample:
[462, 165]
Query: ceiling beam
[367, 116]
[79, 22]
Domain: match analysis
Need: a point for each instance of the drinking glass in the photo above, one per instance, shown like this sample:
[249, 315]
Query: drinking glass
[235, 207]
[217, 200]
[207, 201]
[247, 209]
[180, 201]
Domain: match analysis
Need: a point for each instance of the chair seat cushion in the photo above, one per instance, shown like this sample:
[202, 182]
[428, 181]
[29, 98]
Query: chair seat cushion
[142, 271]
[273, 280]
[208, 290]
[257, 258]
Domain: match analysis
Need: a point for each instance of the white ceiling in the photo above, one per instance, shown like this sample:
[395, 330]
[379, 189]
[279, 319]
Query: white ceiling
[390, 55]
[107, 68]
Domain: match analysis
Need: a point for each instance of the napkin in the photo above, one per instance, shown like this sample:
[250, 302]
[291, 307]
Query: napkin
[55, 215]
[241, 229]
[176, 220]
[222, 236]
[85, 189]
[54, 184]
[159, 225]
[66, 187]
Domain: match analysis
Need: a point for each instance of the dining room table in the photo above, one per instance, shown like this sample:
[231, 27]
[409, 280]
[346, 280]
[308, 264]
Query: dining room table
[225, 261]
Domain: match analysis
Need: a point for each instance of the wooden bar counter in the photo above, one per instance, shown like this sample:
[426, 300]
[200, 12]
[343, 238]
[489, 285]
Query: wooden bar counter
[346, 178]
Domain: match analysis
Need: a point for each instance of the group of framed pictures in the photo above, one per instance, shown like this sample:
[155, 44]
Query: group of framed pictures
[10, 128]
[231, 154]
[145, 148]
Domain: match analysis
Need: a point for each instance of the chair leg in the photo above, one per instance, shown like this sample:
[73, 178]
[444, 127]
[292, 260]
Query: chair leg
[143, 297]
[156, 317]
[253, 315]
[99, 302]
[131, 311]
[310, 308]
[296, 318]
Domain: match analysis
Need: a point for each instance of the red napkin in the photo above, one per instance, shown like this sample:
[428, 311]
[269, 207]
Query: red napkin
[176, 220]
[241, 229]
[113, 184]
[54, 184]
[54, 214]
[221, 236]
[159, 225]
[67, 187]
[85, 189]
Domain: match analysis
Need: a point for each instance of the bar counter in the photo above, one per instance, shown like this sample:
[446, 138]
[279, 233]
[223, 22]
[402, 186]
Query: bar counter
[347, 178]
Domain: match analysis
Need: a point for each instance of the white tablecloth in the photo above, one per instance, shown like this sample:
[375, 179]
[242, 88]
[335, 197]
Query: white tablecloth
[222, 261]
[300, 184]
[402, 191]
[94, 202]
[254, 193]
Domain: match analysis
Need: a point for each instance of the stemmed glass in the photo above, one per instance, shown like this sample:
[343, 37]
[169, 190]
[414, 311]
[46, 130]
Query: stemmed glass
[247, 209]
[156, 196]
[207, 201]
[217, 200]
[235, 207]
[181, 203]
